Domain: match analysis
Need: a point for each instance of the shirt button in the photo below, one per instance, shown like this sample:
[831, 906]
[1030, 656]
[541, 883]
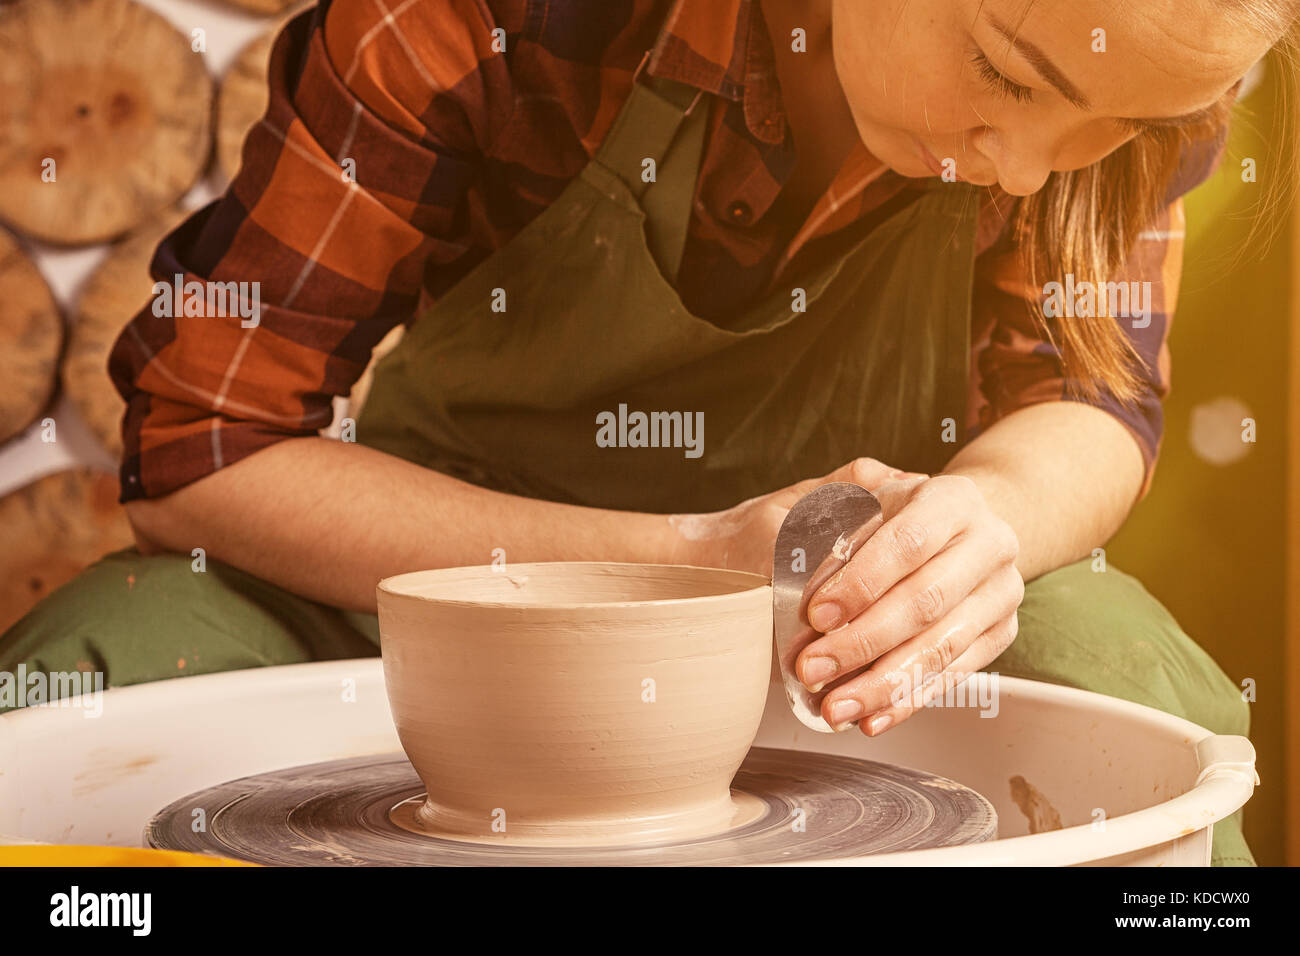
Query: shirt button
[740, 213]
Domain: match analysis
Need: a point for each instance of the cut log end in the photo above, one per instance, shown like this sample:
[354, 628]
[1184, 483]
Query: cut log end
[60, 524]
[106, 118]
[113, 294]
[242, 101]
[31, 336]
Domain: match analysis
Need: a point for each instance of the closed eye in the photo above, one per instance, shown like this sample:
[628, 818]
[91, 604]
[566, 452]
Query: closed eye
[1008, 88]
[999, 84]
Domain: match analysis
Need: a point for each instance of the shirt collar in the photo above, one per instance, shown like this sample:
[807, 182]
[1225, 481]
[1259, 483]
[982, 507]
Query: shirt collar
[723, 48]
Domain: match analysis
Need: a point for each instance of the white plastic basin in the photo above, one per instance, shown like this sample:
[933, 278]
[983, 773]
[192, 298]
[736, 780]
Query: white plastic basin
[1130, 785]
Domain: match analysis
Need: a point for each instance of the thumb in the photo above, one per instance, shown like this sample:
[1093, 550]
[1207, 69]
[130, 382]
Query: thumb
[867, 472]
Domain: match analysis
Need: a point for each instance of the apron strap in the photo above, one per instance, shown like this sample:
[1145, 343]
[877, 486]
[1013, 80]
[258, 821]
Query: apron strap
[659, 121]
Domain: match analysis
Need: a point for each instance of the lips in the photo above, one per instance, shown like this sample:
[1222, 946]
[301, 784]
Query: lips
[936, 167]
[928, 158]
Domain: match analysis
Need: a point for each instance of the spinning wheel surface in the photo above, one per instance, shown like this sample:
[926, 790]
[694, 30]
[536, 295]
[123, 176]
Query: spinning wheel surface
[341, 813]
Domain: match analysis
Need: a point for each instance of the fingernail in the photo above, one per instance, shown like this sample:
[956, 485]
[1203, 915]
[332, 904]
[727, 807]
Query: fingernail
[879, 724]
[817, 671]
[845, 710]
[825, 617]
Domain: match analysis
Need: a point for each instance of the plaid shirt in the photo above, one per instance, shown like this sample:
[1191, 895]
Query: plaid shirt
[400, 149]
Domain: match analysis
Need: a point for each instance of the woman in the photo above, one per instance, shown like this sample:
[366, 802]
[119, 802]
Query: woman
[815, 230]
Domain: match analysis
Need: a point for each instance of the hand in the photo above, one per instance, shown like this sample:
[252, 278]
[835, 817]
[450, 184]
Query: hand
[929, 599]
[743, 537]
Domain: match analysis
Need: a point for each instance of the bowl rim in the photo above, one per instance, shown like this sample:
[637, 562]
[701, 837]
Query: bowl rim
[757, 582]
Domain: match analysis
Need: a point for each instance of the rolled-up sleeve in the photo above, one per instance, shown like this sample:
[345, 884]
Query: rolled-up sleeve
[352, 188]
[1015, 362]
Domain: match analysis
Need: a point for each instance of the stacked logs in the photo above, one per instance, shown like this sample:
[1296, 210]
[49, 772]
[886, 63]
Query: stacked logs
[109, 118]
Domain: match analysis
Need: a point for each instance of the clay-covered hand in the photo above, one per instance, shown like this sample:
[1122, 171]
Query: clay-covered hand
[925, 602]
[742, 537]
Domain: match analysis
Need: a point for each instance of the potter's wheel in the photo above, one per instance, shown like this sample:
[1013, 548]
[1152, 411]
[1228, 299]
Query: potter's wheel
[338, 813]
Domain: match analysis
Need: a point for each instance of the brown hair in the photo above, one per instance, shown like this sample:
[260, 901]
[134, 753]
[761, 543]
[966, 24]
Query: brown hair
[1086, 222]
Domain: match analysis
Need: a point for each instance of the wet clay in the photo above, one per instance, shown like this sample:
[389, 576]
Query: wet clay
[1039, 813]
[575, 703]
[414, 815]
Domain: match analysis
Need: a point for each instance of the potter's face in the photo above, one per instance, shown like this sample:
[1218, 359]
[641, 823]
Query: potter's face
[940, 77]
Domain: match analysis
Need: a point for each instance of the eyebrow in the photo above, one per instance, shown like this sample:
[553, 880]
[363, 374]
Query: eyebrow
[1045, 68]
[1041, 63]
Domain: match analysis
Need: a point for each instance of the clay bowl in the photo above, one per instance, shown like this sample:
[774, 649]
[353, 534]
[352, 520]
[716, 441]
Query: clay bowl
[576, 703]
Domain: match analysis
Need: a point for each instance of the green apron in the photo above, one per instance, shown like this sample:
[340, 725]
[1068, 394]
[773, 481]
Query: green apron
[510, 400]
[593, 325]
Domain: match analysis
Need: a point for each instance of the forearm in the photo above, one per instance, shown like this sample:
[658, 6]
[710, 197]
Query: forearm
[1064, 475]
[328, 520]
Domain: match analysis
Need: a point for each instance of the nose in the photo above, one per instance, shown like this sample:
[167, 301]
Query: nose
[1022, 165]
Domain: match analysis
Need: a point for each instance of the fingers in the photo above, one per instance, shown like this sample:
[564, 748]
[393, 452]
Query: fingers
[944, 646]
[921, 517]
[982, 652]
[924, 598]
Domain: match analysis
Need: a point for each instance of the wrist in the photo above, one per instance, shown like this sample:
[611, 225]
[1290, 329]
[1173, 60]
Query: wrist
[690, 539]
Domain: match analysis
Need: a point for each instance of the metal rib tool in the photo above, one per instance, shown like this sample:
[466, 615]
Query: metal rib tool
[817, 538]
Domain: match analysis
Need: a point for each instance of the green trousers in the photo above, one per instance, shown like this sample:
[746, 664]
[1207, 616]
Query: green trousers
[139, 619]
